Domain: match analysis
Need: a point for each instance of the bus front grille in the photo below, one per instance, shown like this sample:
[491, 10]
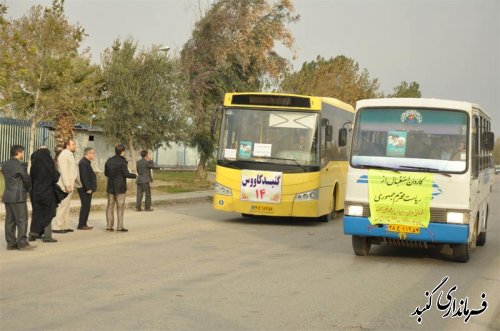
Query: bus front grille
[404, 243]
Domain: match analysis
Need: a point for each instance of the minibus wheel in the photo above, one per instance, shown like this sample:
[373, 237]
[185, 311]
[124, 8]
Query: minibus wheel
[361, 245]
[481, 239]
[461, 253]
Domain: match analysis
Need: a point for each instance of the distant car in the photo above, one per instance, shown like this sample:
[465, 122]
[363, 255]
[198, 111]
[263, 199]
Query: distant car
[497, 168]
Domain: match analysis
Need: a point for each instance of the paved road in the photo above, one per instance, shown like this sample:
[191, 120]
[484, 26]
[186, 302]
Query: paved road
[191, 268]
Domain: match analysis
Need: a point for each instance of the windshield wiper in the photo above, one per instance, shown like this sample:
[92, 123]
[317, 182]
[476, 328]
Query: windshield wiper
[428, 170]
[364, 166]
[282, 159]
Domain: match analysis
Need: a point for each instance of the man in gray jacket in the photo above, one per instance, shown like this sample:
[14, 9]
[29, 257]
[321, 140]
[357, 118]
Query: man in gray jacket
[17, 186]
[144, 166]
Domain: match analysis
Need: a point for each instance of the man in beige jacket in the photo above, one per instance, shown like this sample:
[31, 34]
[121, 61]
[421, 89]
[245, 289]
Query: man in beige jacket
[69, 181]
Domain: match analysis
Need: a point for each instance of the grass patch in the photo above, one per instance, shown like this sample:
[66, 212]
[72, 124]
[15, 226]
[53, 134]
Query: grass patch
[175, 176]
[178, 182]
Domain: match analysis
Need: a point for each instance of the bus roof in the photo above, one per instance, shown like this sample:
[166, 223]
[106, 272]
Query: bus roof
[281, 100]
[419, 102]
[339, 104]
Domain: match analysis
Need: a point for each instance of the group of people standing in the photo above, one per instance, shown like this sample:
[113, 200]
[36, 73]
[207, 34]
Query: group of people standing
[50, 185]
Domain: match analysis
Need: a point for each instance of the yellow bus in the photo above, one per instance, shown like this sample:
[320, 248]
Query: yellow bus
[282, 155]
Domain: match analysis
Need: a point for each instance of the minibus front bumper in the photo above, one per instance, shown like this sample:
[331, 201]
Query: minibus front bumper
[439, 233]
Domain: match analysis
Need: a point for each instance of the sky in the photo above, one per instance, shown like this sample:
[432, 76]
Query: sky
[451, 48]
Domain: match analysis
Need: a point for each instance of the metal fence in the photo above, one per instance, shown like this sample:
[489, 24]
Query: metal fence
[17, 132]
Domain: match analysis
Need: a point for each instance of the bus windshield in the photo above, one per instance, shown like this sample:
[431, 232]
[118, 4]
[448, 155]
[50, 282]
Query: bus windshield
[406, 139]
[274, 136]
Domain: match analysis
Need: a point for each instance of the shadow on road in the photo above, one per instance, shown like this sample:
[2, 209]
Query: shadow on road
[272, 220]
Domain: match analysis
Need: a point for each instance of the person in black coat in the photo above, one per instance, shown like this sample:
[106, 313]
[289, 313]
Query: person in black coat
[116, 170]
[144, 178]
[89, 185]
[44, 195]
[17, 186]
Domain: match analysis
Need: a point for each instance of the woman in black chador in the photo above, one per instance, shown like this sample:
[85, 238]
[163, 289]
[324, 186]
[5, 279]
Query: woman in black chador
[44, 195]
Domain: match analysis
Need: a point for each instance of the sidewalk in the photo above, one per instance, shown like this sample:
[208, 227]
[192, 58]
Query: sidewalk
[166, 199]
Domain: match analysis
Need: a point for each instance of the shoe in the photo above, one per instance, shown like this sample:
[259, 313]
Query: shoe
[85, 227]
[33, 237]
[12, 248]
[122, 230]
[149, 209]
[138, 209]
[27, 247]
[49, 240]
[110, 229]
[59, 231]
[68, 230]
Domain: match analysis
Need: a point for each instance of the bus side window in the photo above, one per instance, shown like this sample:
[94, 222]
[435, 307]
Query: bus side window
[475, 150]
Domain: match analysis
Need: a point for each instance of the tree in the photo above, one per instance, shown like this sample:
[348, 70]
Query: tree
[339, 77]
[232, 49]
[145, 97]
[44, 77]
[496, 151]
[405, 90]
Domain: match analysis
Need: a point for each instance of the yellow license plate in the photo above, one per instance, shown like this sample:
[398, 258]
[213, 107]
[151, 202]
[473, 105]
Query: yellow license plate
[403, 228]
[262, 209]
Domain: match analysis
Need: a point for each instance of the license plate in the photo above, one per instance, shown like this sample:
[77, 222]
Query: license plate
[262, 209]
[403, 228]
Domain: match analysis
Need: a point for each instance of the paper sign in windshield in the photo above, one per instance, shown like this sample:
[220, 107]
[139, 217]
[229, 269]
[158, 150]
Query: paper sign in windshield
[262, 149]
[261, 186]
[396, 143]
[230, 153]
[401, 198]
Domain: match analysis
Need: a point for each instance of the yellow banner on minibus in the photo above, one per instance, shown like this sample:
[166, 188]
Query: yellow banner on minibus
[400, 198]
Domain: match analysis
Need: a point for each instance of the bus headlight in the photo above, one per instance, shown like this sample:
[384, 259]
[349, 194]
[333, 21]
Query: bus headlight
[222, 190]
[354, 210]
[457, 217]
[307, 196]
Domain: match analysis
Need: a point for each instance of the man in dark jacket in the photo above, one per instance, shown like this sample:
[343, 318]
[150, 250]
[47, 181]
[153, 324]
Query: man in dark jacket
[117, 172]
[17, 186]
[144, 166]
[89, 186]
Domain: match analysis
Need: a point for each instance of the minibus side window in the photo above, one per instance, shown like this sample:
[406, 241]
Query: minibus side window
[475, 149]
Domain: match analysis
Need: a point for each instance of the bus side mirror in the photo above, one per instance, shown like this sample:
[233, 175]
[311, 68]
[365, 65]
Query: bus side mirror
[343, 137]
[329, 133]
[488, 141]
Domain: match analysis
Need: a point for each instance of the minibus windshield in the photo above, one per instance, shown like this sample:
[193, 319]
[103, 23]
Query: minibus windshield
[411, 138]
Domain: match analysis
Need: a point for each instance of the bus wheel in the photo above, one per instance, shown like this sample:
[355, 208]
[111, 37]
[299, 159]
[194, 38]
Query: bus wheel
[329, 217]
[361, 245]
[246, 215]
[481, 238]
[461, 253]
[325, 218]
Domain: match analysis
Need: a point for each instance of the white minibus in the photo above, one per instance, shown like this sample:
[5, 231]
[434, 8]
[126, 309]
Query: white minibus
[420, 175]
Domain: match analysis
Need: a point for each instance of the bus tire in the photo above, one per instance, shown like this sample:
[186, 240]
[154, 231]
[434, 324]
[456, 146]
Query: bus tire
[361, 245]
[481, 238]
[461, 253]
[333, 215]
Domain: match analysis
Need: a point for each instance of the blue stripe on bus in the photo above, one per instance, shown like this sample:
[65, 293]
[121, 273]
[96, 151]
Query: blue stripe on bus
[436, 232]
